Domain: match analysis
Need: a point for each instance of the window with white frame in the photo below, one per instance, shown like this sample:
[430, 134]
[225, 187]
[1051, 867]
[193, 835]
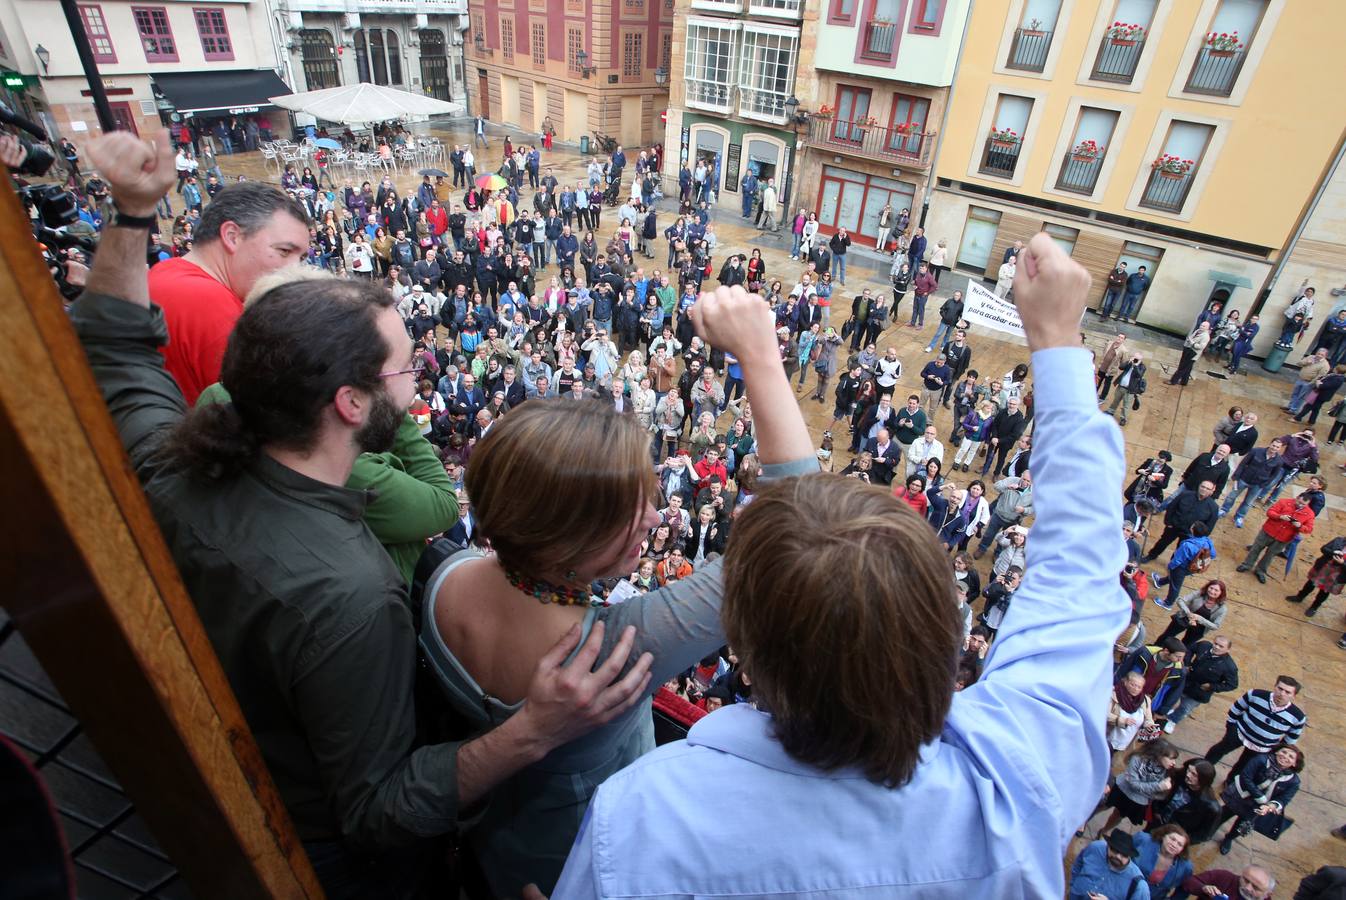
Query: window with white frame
[767, 72]
[728, 6]
[709, 65]
[789, 8]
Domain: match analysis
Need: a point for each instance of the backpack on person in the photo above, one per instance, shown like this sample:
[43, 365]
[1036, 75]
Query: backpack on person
[1200, 562]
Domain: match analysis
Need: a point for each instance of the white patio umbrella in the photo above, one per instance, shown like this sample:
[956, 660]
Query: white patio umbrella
[359, 104]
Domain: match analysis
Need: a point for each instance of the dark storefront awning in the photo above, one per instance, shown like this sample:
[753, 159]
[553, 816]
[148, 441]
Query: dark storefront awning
[238, 91]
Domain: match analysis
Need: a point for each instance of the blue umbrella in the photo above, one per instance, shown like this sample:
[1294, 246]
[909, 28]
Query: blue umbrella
[327, 144]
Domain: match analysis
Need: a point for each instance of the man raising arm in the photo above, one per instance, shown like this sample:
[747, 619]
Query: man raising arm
[304, 609]
[846, 775]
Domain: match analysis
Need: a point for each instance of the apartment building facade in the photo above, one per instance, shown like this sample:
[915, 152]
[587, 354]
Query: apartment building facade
[158, 60]
[1183, 137]
[585, 64]
[883, 72]
[739, 63]
[415, 45]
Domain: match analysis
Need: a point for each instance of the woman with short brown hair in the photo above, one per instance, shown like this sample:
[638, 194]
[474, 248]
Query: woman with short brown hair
[564, 496]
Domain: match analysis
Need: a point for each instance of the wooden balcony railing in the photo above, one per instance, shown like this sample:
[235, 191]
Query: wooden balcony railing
[899, 145]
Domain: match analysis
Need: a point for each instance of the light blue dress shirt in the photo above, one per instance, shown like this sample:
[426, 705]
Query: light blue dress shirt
[993, 803]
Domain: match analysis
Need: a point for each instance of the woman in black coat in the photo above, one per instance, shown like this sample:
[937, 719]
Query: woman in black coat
[1263, 787]
[717, 533]
[1327, 389]
[649, 232]
[588, 255]
[1191, 803]
[626, 320]
[1152, 477]
[756, 271]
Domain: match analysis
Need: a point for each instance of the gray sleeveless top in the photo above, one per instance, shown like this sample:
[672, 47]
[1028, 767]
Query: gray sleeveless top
[533, 817]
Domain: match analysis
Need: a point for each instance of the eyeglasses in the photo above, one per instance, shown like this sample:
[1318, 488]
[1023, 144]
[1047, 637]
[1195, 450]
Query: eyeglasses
[416, 369]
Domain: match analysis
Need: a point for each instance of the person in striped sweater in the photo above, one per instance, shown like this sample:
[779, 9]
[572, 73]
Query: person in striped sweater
[1258, 721]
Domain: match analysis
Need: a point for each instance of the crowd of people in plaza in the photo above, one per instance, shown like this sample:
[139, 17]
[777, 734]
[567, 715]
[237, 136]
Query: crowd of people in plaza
[563, 484]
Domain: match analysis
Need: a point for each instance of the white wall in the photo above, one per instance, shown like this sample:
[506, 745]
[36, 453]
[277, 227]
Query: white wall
[920, 59]
[42, 22]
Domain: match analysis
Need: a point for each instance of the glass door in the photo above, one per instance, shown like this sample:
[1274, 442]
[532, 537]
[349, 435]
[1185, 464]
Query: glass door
[909, 116]
[881, 191]
[974, 250]
[852, 109]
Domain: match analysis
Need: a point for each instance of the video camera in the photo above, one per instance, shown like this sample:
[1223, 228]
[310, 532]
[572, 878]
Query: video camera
[50, 206]
[56, 209]
[37, 157]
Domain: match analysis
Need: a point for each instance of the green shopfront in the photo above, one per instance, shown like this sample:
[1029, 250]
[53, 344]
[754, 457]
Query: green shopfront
[730, 148]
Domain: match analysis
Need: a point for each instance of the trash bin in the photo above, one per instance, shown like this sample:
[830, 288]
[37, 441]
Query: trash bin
[1276, 358]
[584, 143]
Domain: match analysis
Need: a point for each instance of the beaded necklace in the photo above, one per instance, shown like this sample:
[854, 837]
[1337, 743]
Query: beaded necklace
[546, 592]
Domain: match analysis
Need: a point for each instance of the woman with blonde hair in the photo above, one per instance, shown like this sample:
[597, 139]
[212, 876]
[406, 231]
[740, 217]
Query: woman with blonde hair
[938, 258]
[633, 371]
[643, 402]
[489, 620]
[976, 426]
[703, 435]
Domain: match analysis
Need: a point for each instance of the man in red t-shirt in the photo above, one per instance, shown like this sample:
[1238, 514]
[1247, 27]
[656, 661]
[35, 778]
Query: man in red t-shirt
[249, 230]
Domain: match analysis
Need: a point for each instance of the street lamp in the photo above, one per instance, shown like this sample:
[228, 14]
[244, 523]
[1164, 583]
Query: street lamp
[581, 58]
[661, 76]
[796, 117]
[479, 41]
[43, 56]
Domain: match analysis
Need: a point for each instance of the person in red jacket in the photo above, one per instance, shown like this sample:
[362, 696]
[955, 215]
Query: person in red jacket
[673, 567]
[439, 222]
[1286, 519]
[709, 465]
[913, 494]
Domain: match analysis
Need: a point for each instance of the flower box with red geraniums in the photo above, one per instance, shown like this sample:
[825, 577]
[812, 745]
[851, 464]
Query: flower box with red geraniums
[1033, 29]
[1087, 151]
[1223, 44]
[1005, 137]
[1168, 166]
[824, 112]
[1126, 35]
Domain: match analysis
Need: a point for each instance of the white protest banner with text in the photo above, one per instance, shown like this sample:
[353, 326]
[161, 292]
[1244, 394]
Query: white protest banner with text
[982, 307]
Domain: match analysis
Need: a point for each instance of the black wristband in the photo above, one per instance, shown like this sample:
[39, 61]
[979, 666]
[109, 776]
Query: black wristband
[123, 220]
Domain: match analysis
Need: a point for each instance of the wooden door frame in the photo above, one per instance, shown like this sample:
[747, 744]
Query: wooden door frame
[116, 105]
[93, 589]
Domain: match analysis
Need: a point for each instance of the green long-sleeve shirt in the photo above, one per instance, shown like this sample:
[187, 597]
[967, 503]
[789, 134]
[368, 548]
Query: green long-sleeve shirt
[668, 299]
[411, 497]
[306, 612]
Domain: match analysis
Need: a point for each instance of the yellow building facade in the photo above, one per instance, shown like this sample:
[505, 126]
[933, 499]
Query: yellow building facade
[1188, 137]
